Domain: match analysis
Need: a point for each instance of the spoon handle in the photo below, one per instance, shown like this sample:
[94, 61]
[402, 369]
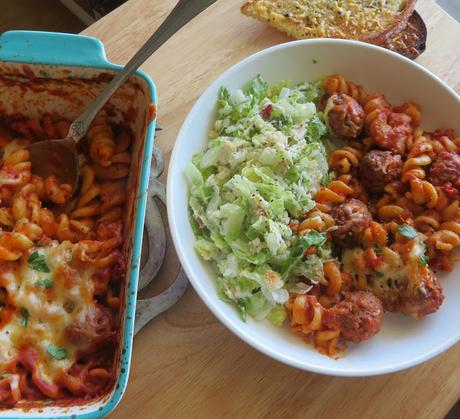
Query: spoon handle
[183, 12]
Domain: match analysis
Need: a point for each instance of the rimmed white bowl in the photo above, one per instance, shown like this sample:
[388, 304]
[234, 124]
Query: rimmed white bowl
[402, 342]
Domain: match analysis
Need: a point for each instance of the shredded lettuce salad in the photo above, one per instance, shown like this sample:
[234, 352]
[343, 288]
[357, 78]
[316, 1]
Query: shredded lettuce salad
[264, 161]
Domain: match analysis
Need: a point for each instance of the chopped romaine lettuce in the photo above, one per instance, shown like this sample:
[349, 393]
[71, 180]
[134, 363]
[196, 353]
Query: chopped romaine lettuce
[264, 161]
[277, 315]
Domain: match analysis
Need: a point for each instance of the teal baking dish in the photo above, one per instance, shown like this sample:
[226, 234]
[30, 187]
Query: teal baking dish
[79, 66]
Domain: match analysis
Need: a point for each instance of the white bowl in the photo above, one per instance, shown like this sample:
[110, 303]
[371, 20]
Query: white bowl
[402, 342]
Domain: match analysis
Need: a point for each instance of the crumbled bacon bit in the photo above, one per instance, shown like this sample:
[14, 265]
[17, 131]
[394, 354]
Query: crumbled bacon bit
[310, 251]
[266, 112]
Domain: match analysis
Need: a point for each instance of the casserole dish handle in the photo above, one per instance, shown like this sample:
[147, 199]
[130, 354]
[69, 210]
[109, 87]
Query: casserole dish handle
[53, 48]
[148, 309]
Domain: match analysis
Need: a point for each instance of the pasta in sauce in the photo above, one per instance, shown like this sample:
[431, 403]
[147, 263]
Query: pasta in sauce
[392, 207]
[61, 273]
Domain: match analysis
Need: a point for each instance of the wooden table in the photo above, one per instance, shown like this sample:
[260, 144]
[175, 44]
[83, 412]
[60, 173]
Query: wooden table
[187, 364]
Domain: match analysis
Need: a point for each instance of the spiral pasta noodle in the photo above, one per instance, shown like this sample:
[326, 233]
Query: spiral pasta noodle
[306, 320]
[419, 157]
[444, 143]
[16, 170]
[375, 235]
[29, 229]
[334, 278]
[54, 191]
[62, 262]
[343, 160]
[413, 111]
[13, 245]
[447, 237]
[336, 191]
[409, 225]
[337, 84]
[422, 192]
[101, 140]
[376, 107]
[315, 220]
[428, 221]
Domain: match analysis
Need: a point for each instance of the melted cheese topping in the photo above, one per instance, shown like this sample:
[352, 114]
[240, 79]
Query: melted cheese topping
[42, 313]
[392, 267]
[394, 270]
[326, 18]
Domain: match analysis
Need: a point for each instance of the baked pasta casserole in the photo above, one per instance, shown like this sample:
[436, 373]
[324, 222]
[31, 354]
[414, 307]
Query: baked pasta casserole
[62, 270]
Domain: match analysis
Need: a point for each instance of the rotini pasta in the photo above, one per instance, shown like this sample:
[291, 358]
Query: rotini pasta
[336, 191]
[306, 320]
[414, 216]
[420, 156]
[16, 170]
[61, 272]
[334, 278]
[376, 106]
[375, 235]
[337, 84]
[447, 237]
[343, 160]
[315, 220]
[101, 140]
[444, 143]
[413, 111]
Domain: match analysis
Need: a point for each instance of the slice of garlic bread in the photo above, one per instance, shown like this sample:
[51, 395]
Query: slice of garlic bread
[367, 20]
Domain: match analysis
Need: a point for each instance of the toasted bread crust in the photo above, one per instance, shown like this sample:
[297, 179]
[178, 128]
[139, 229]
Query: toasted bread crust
[326, 19]
[411, 41]
[397, 27]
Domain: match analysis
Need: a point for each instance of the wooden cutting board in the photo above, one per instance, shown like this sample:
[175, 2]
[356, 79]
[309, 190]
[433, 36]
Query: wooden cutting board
[187, 364]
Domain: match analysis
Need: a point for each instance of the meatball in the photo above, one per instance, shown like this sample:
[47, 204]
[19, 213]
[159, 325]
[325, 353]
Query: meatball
[446, 169]
[344, 116]
[358, 316]
[351, 219]
[421, 295]
[95, 330]
[378, 168]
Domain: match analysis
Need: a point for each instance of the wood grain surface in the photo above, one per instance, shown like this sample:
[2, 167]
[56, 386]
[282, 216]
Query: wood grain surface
[185, 363]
